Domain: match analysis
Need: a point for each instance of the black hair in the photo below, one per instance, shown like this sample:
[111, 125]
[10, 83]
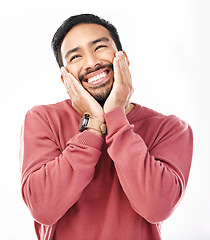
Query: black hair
[73, 21]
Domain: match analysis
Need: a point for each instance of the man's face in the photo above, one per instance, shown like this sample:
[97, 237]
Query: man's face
[88, 51]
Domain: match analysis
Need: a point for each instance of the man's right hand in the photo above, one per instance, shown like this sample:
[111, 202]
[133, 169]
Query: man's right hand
[82, 101]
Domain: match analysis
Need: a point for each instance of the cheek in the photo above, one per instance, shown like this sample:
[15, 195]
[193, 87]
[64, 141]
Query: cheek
[107, 56]
[74, 70]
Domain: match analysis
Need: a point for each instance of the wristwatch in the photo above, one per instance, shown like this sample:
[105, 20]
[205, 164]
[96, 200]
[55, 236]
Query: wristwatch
[87, 122]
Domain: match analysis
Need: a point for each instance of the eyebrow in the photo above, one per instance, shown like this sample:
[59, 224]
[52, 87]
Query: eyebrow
[103, 39]
[71, 51]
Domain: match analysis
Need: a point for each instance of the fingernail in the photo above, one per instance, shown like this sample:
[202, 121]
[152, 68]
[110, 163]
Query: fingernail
[120, 53]
[116, 58]
[63, 70]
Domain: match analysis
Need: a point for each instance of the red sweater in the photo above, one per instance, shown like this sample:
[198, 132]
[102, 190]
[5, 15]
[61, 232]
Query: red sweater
[80, 186]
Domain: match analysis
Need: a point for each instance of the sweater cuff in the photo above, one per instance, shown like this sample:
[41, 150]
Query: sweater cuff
[89, 139]
[115, 119]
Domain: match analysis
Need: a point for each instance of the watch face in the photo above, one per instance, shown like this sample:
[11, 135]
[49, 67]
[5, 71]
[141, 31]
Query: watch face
[84, 122]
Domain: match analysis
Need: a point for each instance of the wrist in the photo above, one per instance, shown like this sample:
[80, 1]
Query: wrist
[88, 123]
[98, 133]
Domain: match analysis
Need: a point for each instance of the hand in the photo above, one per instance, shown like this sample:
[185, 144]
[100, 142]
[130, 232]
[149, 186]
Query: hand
[82, 101]
[122, 86]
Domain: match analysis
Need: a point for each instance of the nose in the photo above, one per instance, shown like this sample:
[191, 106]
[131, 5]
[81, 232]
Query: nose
[90, 61]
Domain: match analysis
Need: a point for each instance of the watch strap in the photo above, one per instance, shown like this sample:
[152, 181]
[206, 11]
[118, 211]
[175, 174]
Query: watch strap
[87, 122]
[99, 126]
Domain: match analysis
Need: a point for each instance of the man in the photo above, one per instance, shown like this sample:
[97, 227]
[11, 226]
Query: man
[96, 166]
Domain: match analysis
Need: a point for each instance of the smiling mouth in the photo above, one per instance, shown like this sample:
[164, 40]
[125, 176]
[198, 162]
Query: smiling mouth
[97, 76]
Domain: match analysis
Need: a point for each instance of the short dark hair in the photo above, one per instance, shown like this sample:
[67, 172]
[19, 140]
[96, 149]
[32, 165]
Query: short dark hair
[73, 21]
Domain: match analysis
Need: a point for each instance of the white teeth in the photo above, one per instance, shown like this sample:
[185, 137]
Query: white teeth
[97, 77]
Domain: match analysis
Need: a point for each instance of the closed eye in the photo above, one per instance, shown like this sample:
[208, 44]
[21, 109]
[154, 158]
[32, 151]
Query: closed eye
[100, 46]
[74, 57]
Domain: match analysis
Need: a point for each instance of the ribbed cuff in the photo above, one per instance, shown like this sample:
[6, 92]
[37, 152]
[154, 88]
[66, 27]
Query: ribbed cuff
[89, 139]
[115, 119]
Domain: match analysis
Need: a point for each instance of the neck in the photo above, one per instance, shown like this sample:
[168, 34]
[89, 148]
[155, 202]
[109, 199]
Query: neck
[129, 108]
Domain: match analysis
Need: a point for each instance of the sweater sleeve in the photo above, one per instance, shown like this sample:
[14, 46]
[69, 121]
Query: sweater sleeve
[154, 179]
[52, 181]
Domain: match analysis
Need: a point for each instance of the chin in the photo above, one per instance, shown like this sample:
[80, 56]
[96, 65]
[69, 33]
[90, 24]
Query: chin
[100, 93]
[102, 96]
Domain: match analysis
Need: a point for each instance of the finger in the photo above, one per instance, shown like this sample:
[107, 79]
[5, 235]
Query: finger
[70, 82]
[124, 69]
[117, 72]
[124, 62]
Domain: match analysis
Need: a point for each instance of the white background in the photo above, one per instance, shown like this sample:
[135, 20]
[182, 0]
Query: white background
[167, 43]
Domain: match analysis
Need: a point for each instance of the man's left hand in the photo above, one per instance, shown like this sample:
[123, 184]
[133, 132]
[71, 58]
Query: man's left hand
[122, 86]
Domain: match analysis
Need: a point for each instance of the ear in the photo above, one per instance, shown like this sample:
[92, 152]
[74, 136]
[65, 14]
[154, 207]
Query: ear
[62, 79]
[126, 56]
